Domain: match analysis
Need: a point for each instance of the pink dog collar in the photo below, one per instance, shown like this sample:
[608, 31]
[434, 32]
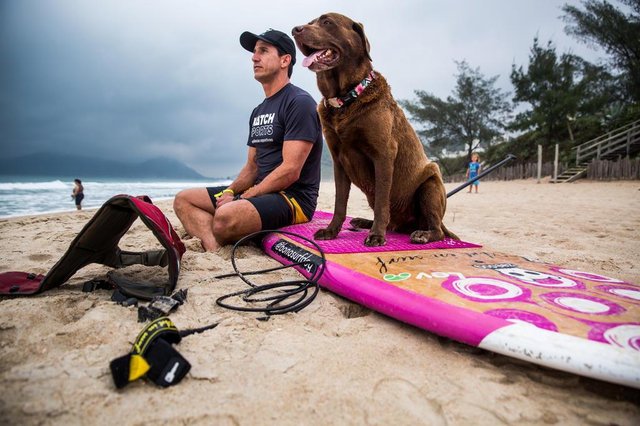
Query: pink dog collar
[352, 95]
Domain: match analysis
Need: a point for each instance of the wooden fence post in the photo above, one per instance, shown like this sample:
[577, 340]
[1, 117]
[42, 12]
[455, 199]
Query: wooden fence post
[555, 164]
[539, 162]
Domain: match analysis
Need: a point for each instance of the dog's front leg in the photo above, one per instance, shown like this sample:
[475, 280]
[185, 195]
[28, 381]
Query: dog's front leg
[381, 210]
[343, 187]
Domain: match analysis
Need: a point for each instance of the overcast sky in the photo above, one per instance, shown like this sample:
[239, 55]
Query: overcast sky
[138, 79]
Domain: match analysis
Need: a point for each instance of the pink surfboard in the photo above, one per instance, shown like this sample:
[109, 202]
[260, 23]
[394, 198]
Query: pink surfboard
[570, 320]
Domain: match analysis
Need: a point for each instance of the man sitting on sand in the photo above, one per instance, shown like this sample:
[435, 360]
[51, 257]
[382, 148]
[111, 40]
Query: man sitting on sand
[279, 183]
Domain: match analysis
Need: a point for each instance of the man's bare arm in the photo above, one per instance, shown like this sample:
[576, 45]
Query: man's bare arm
[294, 155]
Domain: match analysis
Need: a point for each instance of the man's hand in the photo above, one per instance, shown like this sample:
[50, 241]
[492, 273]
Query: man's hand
[225, 198]
[251, 192]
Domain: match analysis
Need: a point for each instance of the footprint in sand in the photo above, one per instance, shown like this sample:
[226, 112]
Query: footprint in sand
[353, 310]
[397, 398]
[39, 257]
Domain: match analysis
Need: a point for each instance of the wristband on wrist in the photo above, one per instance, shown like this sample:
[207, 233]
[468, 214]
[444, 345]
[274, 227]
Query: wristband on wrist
[224, 191]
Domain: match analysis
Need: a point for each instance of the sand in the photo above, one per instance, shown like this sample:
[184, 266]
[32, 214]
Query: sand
[334, 362]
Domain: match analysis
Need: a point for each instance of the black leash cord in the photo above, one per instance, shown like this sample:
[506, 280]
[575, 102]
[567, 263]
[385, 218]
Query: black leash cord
[508, 158]
[302, 291]
[190, 331]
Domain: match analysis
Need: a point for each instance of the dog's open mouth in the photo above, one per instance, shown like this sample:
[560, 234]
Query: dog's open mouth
[320, 60]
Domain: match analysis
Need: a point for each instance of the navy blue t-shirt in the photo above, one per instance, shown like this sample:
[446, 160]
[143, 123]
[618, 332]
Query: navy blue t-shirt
[290, 114]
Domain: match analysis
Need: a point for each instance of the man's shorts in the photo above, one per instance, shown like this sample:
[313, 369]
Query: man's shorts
[276, 209]
[78, 198]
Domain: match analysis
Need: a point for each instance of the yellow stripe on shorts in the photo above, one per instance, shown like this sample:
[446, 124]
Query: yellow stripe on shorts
[296, 210]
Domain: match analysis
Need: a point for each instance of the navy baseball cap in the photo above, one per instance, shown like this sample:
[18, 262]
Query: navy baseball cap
[280, 40]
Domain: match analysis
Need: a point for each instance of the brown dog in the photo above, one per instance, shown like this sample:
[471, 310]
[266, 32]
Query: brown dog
[372, 143]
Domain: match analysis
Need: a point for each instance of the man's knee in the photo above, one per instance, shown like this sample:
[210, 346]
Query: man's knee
[234, 221]
[226, 225]
[179, 203]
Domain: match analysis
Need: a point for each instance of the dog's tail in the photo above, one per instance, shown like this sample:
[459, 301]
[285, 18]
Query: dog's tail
[448, 233]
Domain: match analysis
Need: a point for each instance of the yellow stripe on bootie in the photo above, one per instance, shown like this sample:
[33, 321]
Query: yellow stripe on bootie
[138, 367]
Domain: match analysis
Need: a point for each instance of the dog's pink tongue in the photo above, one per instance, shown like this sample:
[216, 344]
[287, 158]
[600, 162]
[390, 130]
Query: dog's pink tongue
[306, 62]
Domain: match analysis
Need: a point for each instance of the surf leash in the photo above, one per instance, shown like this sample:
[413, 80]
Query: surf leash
[153, 355]
[279, 297]
[159, 306]
[507, 159]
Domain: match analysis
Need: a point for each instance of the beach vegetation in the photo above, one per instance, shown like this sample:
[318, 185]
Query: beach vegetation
[471, 118]
[558, 98]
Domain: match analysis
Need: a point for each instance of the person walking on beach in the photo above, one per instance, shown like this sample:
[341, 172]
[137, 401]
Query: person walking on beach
[78, 193]
[473, 170]
[279, 182]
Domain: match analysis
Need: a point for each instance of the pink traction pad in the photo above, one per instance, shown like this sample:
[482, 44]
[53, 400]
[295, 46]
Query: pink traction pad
[351, 240]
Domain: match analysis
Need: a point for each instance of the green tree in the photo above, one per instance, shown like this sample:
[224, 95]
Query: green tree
[602, 24]
[472, 117]
[566, 95]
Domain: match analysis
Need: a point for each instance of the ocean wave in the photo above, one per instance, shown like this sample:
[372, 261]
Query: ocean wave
[34, 186]
[26, 198]
[156, 184]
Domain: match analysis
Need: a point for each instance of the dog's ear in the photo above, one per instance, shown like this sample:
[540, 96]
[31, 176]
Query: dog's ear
[359, 28]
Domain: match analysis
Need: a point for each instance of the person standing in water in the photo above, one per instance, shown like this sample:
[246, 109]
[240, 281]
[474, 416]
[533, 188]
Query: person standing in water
[78, 193]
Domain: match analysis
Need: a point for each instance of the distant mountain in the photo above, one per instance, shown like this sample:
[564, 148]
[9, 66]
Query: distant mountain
[48, 164]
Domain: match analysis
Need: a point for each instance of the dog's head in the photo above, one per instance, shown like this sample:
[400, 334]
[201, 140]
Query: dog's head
[331, 41]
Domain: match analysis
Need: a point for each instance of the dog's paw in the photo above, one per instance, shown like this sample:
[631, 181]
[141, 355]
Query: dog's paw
[360, 223]
[424, 237]
[324, 234]
[374, 240]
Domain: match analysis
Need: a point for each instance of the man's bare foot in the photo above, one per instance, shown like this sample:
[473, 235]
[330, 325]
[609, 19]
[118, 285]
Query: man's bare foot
[211, 246]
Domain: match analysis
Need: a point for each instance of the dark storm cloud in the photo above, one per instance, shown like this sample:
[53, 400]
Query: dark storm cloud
[101, 82]
[138, 79]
